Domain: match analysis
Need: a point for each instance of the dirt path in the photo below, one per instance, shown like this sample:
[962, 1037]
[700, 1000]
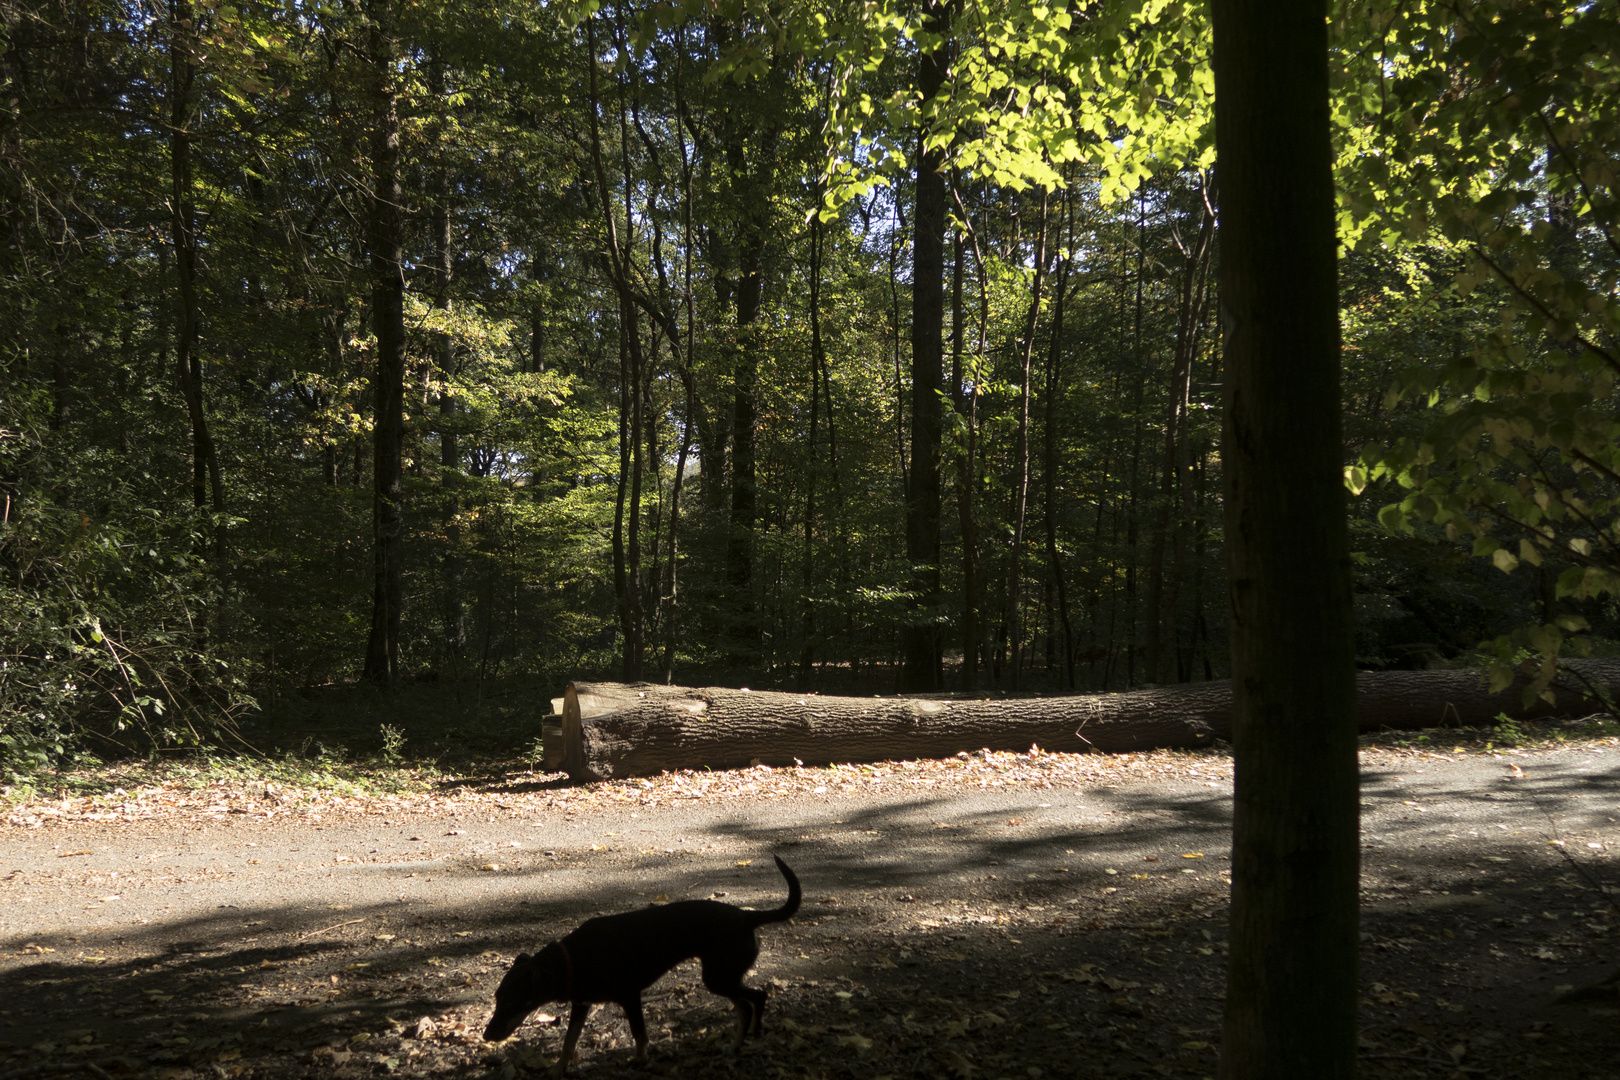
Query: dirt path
[1010, 916]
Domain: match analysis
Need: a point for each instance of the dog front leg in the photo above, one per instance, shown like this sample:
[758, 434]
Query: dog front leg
[576, 1024]
[638, 1026]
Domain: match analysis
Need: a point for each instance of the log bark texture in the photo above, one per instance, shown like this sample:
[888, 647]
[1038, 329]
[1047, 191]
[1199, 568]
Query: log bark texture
[641, 729]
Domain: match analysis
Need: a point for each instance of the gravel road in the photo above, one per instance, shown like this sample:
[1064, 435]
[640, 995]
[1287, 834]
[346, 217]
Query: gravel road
[378, 930]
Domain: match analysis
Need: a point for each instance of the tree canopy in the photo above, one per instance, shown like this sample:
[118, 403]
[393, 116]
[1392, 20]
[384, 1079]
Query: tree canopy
[596, 340]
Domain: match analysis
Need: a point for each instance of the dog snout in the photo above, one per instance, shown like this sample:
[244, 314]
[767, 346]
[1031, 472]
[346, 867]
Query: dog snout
[501, 1027]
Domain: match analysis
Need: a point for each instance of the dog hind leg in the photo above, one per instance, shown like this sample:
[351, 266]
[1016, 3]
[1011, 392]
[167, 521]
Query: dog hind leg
[724, 976]
[750, 1011]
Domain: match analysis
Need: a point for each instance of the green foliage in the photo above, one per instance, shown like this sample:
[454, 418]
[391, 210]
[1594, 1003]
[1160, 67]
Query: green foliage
[1506, 731]
[106, 614]
[393, 743]
[1494, 136]
[1477, 205]
[1124, 88]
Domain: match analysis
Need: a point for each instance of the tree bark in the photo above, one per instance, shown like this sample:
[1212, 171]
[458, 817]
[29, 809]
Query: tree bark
[808, 569]
[1163, 601]
[388, 322]
[1020, 485]
[755, 181]
[455, 608]
[626, 558]
[919, 638]
[1049, 460]
[641, 729]
[1292, 974]
[207, 485]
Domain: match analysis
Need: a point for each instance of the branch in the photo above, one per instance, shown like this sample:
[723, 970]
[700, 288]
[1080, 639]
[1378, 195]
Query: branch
[1536, 303]
[1575, 171]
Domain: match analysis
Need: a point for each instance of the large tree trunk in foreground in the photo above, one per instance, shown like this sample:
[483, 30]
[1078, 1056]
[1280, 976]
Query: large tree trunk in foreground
[1291, 982]
[617, 729]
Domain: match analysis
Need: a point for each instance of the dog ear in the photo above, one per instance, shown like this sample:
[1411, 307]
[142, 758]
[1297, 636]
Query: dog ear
[522, 958]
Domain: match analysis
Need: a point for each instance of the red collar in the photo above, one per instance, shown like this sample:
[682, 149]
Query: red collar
[568, 972]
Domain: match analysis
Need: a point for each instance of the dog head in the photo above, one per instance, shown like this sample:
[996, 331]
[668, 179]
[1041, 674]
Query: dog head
[531, 981]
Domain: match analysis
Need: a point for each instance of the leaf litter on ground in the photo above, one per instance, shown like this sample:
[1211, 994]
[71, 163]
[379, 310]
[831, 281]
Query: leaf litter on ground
[140, 791]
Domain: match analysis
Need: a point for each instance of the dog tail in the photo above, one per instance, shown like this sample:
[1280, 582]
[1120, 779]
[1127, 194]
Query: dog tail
[787, 910]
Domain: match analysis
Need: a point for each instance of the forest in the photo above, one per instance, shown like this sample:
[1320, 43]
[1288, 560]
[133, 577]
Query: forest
[860, 347]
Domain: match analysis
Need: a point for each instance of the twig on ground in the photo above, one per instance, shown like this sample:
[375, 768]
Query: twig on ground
[322, 930]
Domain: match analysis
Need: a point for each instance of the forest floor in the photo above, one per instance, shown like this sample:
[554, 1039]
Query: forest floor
[987, 916]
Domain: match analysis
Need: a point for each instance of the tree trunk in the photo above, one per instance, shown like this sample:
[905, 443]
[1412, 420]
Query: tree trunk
[672, 588]
[755, 182]
[1020, 486]
[455, 608]
[965, 401]
[641, 729]
[1194, 319]
[1291, 978]
[920, 644]
[626, 558]
[808, 568]
[1164, 600]
[1132, 502]
[1049, 461]
[388, 321]
[207, 486]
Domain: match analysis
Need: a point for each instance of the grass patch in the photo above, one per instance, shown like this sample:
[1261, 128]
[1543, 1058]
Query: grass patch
[1505, 734]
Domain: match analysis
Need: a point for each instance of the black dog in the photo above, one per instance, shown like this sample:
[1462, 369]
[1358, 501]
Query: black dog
[616, 957]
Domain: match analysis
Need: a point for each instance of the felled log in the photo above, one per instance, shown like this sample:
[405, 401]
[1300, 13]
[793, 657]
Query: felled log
[641, 729]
